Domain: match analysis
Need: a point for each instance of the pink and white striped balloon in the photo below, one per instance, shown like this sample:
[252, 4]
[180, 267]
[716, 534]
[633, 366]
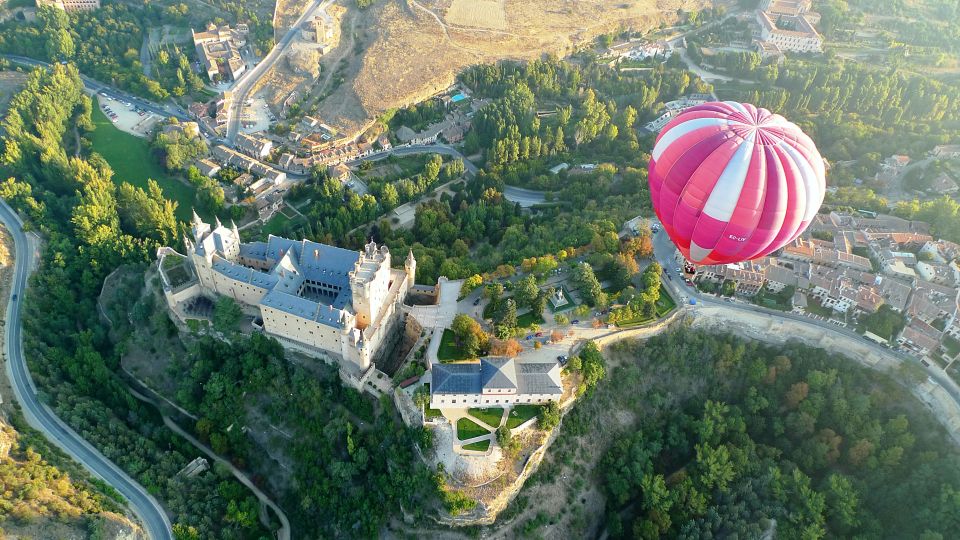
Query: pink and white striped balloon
[731, 182]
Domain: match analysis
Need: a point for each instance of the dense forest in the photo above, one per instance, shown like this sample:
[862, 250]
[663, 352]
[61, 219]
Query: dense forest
[352, 462]
[733, 438]
[106, 43]
[91, 226]
[595, 113]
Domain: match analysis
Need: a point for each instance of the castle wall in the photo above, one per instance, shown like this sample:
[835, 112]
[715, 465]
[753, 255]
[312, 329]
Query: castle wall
[310, 333]
[244, 293]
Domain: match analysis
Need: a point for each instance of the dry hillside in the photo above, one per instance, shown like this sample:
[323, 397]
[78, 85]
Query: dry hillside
[406, 50]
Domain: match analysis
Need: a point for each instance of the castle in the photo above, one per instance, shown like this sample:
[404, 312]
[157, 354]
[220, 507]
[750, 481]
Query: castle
[309, 296]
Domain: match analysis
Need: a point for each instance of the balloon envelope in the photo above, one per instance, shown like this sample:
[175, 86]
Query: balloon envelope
[732, 182]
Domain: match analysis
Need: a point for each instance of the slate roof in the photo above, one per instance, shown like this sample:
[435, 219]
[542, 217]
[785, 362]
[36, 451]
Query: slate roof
[303, 308]
[498, 373]
[539, 378]
[318, 262]
[242, 273]
[455, 379]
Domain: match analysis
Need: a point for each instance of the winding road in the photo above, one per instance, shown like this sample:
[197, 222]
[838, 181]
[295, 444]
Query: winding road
[40, 416]
[665, 252]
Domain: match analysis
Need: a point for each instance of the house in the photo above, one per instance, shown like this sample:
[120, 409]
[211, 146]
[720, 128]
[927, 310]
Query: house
[384, 142]
[286, 160]
[946, 151]
[934, 272]
[493, 382]
[896, 268]
[894, 293]
[943, 183]
[256, 147]
[339, 172]
[207, 167]
[557, 168]
[919, 337]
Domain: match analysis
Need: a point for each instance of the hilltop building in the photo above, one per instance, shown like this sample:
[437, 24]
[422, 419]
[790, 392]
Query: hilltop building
[70, 5]
[310, 296]
[219, 51]
[787, 25]
[494, 382]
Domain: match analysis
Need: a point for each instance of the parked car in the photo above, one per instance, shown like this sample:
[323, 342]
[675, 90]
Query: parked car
[476, 302]
[575, 321]
[539, 334]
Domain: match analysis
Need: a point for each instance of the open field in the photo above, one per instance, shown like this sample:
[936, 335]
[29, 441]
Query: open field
[397, 53]
[132, 162]
[478, 13]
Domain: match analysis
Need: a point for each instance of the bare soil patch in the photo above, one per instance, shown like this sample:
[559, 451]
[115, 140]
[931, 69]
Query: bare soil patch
[478, 13]
[417, 47]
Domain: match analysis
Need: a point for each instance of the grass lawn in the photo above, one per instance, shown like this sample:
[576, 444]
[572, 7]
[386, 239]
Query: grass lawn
[449, 352]
[521, 413]
[132, 162]
[281, 225]
[490, 417]
[528, 319]
[813, 306]
[432, 413]
[481, 446]
[665, 303]
[468, 429]
[951, 345]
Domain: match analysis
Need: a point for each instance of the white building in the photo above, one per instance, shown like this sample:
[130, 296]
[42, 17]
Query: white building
[494, 382]
[789, 33]
[311, 296]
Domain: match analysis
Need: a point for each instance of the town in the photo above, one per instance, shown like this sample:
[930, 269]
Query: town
[487, 268]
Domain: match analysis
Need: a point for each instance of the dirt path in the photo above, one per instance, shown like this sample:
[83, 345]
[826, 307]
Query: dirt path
[284, 532]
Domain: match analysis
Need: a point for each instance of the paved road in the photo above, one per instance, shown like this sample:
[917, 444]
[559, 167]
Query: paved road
[524, 197]
[41, 417]
[444, 149]
[665, 253]
[241, 91]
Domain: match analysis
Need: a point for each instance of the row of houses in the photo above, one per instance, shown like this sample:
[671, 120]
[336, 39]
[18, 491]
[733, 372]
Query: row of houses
[917, 275]
[245, 164]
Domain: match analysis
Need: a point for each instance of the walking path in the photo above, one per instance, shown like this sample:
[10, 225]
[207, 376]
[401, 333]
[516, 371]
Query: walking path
[284, 532]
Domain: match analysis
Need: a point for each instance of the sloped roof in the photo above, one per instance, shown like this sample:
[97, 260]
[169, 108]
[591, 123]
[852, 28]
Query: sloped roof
[539, 378]
[498, 373]
[455, 379]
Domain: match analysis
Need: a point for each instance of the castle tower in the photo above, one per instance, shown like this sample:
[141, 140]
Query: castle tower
[410, 265]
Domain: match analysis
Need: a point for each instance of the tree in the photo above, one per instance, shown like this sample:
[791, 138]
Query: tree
[469, 334]
[226, 314]
[525, 291]
[549, 416]
[505, 347]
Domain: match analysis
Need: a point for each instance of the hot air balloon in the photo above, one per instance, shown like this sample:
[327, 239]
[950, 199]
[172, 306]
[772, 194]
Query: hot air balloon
[732, 182]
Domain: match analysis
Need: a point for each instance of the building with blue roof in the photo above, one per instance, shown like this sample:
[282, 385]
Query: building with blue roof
[310, 296]
[494, 382]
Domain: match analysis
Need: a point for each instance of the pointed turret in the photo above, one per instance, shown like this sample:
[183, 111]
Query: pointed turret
[233, 227]
[217, 223]
[410, 266]
[196, 219]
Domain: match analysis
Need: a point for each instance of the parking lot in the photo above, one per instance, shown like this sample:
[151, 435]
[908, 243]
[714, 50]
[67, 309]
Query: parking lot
[126, 117]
